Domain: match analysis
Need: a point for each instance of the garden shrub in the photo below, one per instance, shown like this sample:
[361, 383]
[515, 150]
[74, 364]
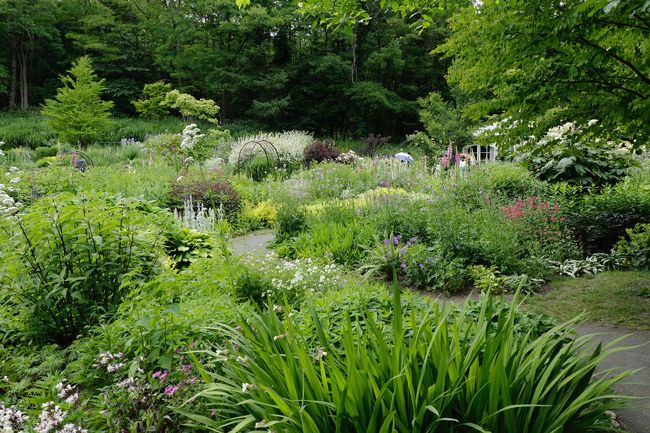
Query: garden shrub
[291, 220]
[259, 168]
[599, 220]
[69, 261]
[44, 152]
[497, 183]
[262, 215]
[252, 285]
[321, 150]
[416, 265]
[634, 252]
[212, 193]
[542, 228]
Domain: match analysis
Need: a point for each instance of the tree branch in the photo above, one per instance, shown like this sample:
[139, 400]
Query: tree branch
[620, 59]
[601, 83]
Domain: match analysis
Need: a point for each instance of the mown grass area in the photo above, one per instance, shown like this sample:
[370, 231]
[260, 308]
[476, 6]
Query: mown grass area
[615, 297]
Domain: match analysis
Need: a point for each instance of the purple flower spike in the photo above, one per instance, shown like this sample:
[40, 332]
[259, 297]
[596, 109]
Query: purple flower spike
[403, 266]
[386, 242]
[421, 266]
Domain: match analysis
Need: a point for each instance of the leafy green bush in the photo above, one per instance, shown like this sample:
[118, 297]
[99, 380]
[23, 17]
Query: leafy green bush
[252, 285]
[413, 377]
[69, 261]
[634, 253]
[416, 265]
[498, 182]
[259, 168]
[291, 220]
[599, 220]
[44, 152]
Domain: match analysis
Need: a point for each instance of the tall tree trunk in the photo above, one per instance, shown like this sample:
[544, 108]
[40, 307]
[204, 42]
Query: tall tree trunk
[22, 61]
[14, 73]
[353, 72]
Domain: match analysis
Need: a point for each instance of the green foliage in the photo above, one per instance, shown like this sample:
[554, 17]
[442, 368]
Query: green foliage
[153, 106]
[487, 280]
[634, 252]
[543, 63]
[190, 107]
[44, 152]
[600, 219]
[252, 285]
[78, 114]
[291, 220]
[589, 266]
[443, 123]
[413, 374]
[567, 154]
[25, 130]
[184, 246]
[259, 168]
[69, 261]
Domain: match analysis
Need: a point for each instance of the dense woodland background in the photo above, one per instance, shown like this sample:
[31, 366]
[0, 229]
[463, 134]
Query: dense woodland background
[264, 64]
[347, 68]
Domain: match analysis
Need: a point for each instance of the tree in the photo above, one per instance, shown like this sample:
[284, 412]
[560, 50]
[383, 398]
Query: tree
[152, 105]
[542, 63]
[443, 122]
[78, 113]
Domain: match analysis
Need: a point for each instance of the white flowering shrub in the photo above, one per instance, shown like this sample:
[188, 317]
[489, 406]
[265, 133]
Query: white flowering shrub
[9, 205]
[290, 145]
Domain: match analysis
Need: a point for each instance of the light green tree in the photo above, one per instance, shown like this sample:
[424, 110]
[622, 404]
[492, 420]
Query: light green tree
[152, 105]
[190, 107]
[77, 113]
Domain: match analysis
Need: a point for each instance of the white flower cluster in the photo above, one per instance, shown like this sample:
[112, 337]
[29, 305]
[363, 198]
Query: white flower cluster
[51, 419]
[290, 145]
[2, 143]
[349, 157]
[301, 274]
[8, 205]
[67, 392]
[111, 362]
[191, 136]
[11, 420]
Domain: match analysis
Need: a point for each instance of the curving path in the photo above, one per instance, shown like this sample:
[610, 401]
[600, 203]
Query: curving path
[635, 417]
[255, 243]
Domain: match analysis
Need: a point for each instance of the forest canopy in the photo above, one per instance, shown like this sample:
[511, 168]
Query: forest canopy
[348, 68]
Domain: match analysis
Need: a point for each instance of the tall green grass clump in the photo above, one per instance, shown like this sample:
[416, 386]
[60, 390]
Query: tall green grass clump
[435, 370]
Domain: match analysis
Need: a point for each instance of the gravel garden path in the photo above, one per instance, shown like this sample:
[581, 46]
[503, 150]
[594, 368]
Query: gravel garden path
[635, 417]
[255, 243]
